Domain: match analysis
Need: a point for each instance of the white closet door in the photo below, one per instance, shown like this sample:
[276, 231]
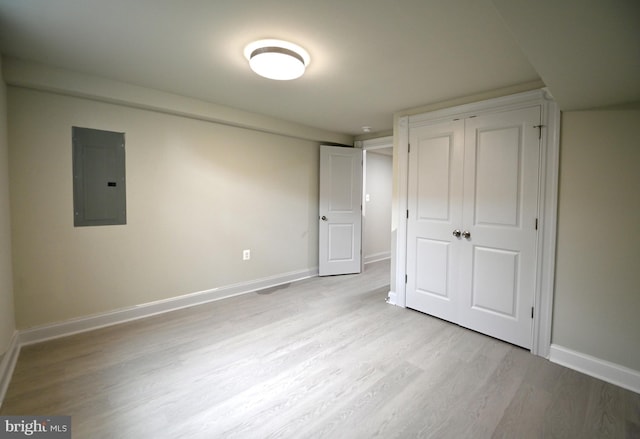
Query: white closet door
[435, 211]
[478, 177]
[498, 265]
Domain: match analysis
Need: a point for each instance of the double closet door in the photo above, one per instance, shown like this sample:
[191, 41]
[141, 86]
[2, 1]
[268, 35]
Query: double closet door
[473, 188]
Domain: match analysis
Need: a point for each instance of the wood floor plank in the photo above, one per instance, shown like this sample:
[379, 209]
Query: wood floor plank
[521, 418]
[482, 408]
[565, 416]
[605, 411]
[632, 406]
[324, 357]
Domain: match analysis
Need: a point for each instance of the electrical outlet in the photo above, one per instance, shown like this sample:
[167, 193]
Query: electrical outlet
[246, 255]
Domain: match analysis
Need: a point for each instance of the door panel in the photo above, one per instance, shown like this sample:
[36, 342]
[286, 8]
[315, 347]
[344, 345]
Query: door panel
[341, 177]
[433, 187]
[341, 237]
[500, 207]
[497, 179]
[433, 257]
[435, 196]
[490, 292]
[340, 219]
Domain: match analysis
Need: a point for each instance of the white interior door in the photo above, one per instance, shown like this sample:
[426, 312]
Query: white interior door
[471, 230]
[340, 210]
[498, 266]
[435, 210]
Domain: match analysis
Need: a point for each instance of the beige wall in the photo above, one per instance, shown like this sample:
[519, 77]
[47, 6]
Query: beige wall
[377, 218]
[597, 295]
[198, 193]
[7, 325]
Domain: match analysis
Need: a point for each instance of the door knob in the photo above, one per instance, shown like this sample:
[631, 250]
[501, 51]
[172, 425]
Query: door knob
[466, 234]
[456, 233]
[323, 218]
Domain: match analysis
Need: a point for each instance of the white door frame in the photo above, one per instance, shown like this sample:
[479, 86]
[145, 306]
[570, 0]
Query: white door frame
[548, 200]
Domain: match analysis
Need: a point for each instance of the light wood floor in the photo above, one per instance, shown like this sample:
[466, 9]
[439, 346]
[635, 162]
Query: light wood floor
[325, 357]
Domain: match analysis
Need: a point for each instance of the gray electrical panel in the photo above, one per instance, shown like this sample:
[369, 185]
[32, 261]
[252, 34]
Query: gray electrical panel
[99, 190]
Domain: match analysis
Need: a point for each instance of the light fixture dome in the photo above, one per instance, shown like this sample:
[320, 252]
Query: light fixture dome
[277, 59]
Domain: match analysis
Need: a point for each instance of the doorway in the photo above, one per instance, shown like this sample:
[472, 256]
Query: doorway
[377, 185]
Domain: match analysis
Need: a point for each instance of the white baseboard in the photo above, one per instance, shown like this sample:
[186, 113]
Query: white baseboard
[610, 372]
[8, 363]
[375, 257]
[82, 324]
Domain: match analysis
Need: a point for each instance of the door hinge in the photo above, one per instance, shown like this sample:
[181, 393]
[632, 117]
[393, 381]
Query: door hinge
[536, 223]
[539, 130]
[532, 312]
[408, 147]
[406, 278]
[407, 213]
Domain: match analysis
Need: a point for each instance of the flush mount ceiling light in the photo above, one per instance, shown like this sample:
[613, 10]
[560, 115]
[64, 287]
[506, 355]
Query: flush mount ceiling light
[276, 59]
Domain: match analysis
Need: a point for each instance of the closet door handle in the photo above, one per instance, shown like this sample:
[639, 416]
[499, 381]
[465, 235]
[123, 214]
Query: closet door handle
[457, 233]
[466, 234]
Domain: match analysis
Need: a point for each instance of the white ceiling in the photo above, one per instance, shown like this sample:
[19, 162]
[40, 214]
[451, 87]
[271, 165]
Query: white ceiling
[369, 58]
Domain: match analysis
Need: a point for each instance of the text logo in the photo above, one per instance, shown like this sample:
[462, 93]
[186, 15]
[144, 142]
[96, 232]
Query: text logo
[38, 427]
